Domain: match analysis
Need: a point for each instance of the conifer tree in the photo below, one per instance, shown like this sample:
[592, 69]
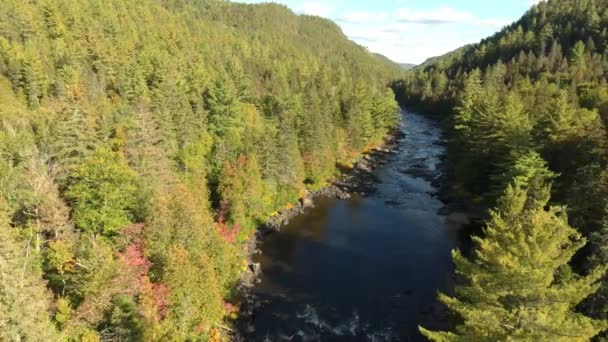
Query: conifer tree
[518, 284]
[71, 136]
[385, 113]
[525, 170]
[24, 300]
[359, 116]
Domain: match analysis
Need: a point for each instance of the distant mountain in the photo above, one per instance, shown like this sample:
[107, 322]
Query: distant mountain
[407, 66]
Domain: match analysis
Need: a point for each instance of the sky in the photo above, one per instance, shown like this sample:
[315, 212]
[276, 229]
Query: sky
[410, 31]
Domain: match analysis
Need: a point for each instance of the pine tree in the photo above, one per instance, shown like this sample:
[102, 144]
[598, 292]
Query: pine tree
[71, 137]
[526, 170]
[563, 120]
[385, 113]
[518, 283]
[577, 55]
[24, 301]
[33, 79]
[125, 322]
[470, 96]
[359, 118]
[225, 124]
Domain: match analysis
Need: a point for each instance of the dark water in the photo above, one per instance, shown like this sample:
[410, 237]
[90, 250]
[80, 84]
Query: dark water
[364, 269]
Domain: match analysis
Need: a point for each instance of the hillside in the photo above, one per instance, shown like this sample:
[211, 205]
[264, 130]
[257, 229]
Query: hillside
[527, 110]
[407, 66]
[541, 44]
[142, 143]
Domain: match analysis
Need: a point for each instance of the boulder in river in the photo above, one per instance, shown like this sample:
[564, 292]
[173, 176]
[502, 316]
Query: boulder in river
[254, 267]
[363, 166]
[307, 202]
[458, 218]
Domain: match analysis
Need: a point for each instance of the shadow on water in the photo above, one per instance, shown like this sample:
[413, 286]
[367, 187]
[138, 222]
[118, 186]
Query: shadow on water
[363, 269]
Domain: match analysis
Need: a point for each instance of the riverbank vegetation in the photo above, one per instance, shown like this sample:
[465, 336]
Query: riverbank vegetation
[141, 143]
[535, 93]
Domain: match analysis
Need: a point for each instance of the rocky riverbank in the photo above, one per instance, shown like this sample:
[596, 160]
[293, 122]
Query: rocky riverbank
[359, 180]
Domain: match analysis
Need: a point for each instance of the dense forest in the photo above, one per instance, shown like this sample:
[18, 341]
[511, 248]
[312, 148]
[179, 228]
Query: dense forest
[527, 116]
[142, 143]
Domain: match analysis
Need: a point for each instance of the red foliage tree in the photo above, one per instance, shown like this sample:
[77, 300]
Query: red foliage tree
[226, 232]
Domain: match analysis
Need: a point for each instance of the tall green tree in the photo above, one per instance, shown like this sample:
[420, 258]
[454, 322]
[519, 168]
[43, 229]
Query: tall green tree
[24, 299]
[518, 284]
[102, 193]
[196, 302]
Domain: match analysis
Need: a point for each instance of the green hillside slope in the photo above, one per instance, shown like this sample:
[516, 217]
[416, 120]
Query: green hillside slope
[141, 143]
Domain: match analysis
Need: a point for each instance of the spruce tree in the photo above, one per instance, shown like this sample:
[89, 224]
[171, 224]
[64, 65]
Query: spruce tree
[518, 283]
[72, 136]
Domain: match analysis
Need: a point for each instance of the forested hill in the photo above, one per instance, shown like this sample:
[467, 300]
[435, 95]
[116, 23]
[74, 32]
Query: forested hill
[526, 111]
[142, 142]
[547, 43]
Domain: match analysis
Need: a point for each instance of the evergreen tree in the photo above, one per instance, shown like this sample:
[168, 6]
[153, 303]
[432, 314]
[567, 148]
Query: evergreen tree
[518, 283]
[24, 300]
[385, 113]
[125, 322]
[359, 117]
[71, 136]
[527, 170]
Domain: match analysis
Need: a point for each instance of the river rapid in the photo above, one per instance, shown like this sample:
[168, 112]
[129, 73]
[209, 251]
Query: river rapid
[367, 268]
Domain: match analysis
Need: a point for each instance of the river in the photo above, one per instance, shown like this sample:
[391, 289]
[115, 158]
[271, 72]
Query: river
[367, 268]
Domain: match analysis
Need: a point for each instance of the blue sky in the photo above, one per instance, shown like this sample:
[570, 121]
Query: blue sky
[410, 31]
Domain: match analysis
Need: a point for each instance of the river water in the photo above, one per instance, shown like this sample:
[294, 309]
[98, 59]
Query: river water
[367, 268]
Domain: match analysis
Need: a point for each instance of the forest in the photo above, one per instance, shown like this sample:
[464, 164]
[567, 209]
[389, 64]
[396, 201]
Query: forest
[526, 112]
[143, 142]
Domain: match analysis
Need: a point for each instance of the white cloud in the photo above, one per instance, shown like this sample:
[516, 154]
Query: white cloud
[437, 16]
[315, 8]
[362, 17]
[405, 42]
